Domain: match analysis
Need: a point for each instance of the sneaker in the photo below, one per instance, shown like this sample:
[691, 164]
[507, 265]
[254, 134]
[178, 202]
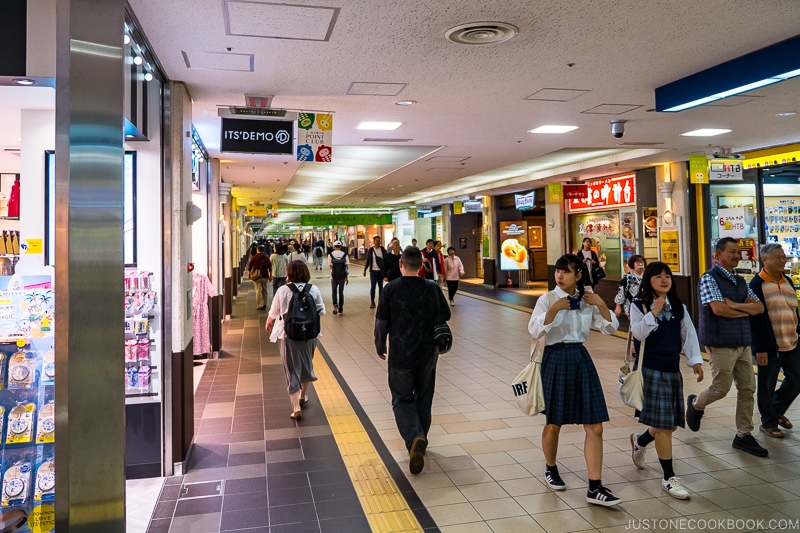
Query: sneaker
[372, 305]
[452, 303]
[554, 481]
[417, 461]
[675, 488]
[602, 496]
[693, 415]
[335, 311]
[749, 444]
[637, 453]
[341, 311]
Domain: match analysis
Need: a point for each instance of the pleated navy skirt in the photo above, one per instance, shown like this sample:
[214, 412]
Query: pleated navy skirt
[572, 390]
[663, 406]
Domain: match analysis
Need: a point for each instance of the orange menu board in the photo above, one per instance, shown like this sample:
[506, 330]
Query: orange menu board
[513, 245]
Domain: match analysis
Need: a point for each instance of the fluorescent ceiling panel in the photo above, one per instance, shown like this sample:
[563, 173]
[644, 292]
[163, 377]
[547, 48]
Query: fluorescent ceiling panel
[352, 168]
[553, 128]
[279, 21]
[218, 61]
[705, 132]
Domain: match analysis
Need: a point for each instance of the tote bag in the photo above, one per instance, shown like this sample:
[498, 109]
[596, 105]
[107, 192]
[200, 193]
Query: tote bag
[631, 382]
[527, 386]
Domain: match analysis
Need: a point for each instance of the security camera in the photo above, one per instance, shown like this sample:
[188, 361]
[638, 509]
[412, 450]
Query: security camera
[618, 128]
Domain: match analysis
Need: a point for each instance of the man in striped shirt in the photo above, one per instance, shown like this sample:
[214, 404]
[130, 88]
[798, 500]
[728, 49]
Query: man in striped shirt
[775, 343]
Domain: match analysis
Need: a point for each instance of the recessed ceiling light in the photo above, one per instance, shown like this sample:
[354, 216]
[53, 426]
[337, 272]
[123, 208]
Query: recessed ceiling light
[379, 126]
[705, 132]
[148, 77]
[25, 81]
[787, 114]
[553, 128]
[405, 102]
[138, 60]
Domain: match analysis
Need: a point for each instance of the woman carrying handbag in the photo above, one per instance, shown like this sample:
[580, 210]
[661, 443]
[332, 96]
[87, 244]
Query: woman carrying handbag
[660, 317]
[572, 390]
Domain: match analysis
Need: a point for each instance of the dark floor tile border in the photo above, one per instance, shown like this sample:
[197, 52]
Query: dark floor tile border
[422, 514]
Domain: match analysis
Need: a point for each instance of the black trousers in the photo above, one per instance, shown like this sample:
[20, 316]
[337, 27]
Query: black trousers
[452, 288]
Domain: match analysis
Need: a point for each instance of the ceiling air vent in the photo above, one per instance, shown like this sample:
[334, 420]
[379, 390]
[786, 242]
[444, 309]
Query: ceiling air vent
[385, 140]
[476, 33]
[638, 143]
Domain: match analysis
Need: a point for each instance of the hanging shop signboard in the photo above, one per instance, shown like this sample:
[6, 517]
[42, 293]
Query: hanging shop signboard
[513, 246]
[607, 193]
[256, 210]
[275, 137]
[524, 202]
[575, 191]
[725, 170]
[458, 208]
[698, 168]
[345, 220]
[314, 137]
[473, 206]
[555, 192]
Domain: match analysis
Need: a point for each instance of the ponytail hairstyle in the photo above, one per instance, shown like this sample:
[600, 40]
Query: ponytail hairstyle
[646, 292]
[573, 263]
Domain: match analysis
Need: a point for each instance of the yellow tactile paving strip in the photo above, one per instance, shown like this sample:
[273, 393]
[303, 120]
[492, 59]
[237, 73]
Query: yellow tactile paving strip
[383, 503]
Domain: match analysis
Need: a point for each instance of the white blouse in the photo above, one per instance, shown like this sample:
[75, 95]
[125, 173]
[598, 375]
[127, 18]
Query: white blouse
[568, 325]
[281, 303]
[643, 324]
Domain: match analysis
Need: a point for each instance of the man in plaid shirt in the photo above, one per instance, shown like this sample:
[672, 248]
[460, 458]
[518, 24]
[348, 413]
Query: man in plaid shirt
[727, 302]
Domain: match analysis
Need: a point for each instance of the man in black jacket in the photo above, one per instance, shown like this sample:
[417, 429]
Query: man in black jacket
[775, 341]
[410, 307]
[392, 262]
[375, 265]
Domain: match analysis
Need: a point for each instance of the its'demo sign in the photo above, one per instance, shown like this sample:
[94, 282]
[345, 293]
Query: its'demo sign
[257, 136]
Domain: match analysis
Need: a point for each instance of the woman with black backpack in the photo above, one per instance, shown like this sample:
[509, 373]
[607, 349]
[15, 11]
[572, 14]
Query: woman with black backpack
[297, 305]
[319, 254]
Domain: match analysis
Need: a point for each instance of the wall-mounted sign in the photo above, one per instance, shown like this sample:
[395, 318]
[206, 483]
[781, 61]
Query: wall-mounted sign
[575, 191]
[458, 208]
[462, 243]
[314, 137]
[524, 202]
[422, 209]
[473, 206]
[555, 192]
[725, 170]
[670, 244]
[345, 220]
[513, 246]
[607, 193]
[732, 222]
[256, 210]
[535, 238]
[698, 168]
[250, 136]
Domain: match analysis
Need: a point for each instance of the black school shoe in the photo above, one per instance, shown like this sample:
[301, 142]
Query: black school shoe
[693, 415]
[416, 461]
[749, 444]
[602, 496]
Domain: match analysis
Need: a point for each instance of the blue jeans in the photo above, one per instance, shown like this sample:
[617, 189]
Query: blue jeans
[375, 278]
[774, 403]
[412, 396]
[337, 285]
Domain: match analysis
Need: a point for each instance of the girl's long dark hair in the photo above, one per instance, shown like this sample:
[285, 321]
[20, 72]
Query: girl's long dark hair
[571, 262]
[646, 293]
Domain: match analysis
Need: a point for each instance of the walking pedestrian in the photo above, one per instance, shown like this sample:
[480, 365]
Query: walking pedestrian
[726, 304]
[591, 261]
[338, 262]
[392, 261]
[659, 316]
[296, 355]
[261, 263]
[562, 319]
[375, 265]
[279, 261]
[629, 285]
[319, 254]
[453, 271]
[774, 338]
[430, 261]
[297, 254]
[410, 308]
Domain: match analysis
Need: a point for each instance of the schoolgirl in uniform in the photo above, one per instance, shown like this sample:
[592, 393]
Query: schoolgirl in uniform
[562, 319]
[659, 316]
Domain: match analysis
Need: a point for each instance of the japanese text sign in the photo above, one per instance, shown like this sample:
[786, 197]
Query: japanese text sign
[606, 193]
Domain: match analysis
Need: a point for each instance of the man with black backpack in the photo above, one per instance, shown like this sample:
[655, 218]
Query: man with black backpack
[319, 253]
[339, 264]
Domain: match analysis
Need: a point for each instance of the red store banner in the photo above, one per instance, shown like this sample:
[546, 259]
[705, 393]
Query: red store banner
[606, 193]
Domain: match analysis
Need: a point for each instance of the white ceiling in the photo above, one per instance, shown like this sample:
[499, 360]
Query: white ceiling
[472, 105]
[12, 100]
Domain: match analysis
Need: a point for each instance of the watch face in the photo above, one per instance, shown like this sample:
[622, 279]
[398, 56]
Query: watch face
[18, 425]
[48, 425]
[47, 482]
[20, 372]
[14, 487]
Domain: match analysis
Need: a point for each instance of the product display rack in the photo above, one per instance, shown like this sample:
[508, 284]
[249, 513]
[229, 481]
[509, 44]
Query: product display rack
[141, 344]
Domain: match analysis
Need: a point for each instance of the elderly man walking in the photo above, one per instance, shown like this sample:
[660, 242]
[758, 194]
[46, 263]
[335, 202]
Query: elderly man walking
[775, 341]
[726, 303]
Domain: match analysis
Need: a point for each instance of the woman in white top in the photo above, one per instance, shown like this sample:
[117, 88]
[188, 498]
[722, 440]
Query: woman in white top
[279, 261]
[591, 261]
[296, 356]
[660, 317]
[296, 254]
[573, 394]
[453, 270]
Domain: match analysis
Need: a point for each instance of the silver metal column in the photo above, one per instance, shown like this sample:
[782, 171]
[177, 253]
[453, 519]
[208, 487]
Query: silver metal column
[89, 339]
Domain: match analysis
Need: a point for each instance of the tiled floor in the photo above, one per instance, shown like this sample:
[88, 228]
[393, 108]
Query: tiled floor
[484, 463]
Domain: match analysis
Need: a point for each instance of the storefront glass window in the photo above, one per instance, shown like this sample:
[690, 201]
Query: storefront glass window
[603, 228]
[734, 213]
